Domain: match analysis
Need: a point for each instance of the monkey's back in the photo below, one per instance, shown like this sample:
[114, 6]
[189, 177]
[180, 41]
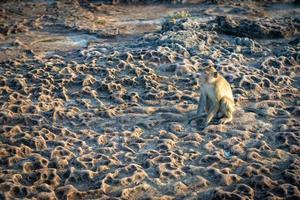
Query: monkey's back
[223, 88]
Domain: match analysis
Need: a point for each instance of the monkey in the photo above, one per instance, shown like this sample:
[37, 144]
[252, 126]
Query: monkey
[215, 97]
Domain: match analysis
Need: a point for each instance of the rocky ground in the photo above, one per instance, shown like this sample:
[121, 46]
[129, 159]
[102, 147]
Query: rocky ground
[94, 100]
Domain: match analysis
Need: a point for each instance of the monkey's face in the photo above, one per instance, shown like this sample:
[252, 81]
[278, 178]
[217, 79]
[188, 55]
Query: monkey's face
[208, 75]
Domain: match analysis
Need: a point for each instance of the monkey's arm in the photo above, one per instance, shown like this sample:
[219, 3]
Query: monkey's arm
[201, 104]
[201, 107]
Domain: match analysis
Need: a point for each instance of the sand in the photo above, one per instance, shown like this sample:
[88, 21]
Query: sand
[94, 100]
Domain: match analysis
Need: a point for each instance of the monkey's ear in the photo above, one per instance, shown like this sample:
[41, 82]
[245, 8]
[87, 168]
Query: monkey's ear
[216, 74]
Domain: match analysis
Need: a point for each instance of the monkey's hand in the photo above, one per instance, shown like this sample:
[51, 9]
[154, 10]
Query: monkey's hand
[204, 124]
[201, 114]
[196, 117]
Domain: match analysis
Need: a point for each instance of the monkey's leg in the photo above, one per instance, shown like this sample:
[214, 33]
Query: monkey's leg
[226, 119]
[227, 108]
[212, 112]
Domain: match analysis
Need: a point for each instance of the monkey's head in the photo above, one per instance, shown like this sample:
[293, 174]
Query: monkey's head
[208, 75]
